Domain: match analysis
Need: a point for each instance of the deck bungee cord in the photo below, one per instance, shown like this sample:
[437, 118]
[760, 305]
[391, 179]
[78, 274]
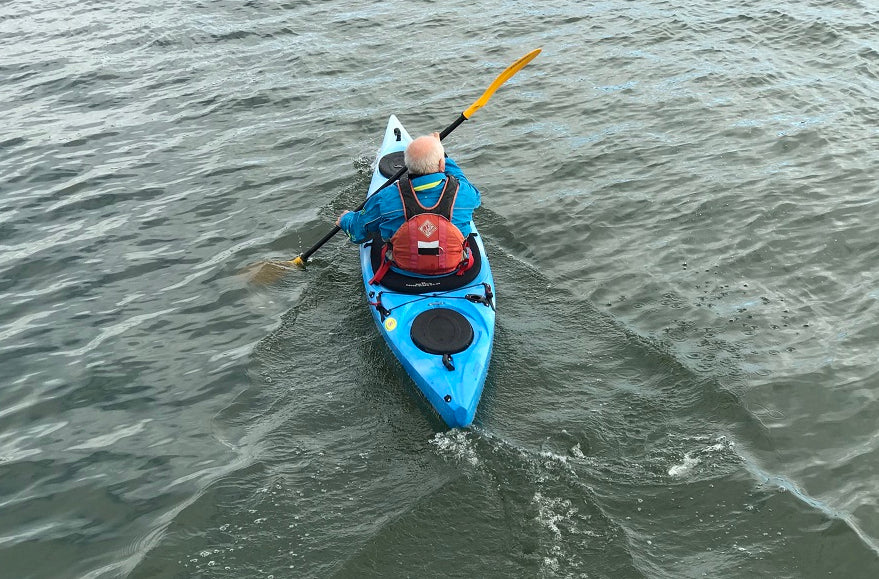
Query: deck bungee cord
[486, 299]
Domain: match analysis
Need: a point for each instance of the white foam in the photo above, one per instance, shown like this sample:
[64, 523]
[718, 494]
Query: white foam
[694, 457]
[679, 470]
[457, 444]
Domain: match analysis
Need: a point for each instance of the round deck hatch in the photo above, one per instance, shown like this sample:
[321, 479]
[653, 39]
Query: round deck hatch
[441, 331]
[391, 163]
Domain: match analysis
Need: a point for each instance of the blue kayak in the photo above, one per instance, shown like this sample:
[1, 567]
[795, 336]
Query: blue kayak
[440, 328]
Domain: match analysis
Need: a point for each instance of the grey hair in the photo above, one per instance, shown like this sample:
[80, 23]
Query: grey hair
[428, 162]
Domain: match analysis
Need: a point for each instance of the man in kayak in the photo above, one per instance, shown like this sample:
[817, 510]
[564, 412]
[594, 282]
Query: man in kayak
[424, 218]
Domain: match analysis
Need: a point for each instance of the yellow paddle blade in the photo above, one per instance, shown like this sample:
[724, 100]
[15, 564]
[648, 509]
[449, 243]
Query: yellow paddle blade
[268, 272]
[501, 79]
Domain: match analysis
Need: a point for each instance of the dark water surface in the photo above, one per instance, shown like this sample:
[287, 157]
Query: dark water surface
[680, 206]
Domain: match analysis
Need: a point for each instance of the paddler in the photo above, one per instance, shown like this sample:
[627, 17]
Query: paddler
[424, 218]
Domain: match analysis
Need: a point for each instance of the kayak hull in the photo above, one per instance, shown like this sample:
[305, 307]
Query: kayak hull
[452, 384]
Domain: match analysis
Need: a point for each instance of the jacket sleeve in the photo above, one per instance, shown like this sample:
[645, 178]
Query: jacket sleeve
[471, 195]
[359, 225]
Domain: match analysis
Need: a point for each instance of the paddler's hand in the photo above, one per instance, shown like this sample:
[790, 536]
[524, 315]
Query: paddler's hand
[436, 136]
[339, 219]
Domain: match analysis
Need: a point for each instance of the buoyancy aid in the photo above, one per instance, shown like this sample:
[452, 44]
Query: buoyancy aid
[428, 242]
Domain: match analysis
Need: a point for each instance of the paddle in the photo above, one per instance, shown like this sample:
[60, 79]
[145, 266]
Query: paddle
[299, 261]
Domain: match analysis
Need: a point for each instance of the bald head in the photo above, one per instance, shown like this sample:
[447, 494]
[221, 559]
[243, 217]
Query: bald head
[425, 155]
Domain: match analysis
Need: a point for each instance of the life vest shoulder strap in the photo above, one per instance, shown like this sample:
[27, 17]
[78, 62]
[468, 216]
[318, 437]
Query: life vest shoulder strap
[412, 206]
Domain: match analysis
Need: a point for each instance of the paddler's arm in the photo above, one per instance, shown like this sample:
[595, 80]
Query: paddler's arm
[360, 225]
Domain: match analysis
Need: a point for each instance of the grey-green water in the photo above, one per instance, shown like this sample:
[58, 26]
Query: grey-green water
[680, 210]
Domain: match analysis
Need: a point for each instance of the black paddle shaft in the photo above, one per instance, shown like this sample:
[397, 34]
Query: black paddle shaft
[336, 229]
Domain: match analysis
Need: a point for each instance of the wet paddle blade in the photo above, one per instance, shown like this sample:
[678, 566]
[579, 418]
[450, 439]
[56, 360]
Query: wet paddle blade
[269, 272]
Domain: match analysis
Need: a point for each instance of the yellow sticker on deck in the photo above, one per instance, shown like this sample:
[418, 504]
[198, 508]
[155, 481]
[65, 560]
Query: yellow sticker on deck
[390, 324]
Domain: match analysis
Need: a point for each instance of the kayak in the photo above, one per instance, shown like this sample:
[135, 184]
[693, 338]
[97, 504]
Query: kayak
[440, 328]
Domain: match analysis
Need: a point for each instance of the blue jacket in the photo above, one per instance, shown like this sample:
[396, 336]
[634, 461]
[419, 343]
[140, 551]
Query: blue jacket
[383, 212]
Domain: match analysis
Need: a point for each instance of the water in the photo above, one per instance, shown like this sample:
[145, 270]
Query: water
[679, 206]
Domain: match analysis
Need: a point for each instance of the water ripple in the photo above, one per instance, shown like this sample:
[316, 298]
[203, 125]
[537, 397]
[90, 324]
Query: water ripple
[690, 186]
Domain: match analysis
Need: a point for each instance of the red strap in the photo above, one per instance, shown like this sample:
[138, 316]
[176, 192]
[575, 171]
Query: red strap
[383, 268]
